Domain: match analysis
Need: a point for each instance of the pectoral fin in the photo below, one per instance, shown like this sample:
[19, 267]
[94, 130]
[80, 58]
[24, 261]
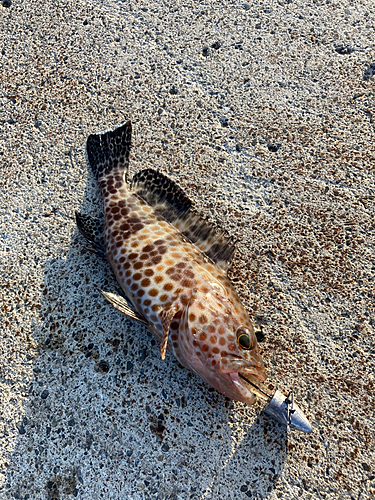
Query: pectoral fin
[167, 317]
[122, 305]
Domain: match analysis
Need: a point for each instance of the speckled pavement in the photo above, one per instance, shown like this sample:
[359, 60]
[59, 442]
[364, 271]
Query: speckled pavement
[264, 114]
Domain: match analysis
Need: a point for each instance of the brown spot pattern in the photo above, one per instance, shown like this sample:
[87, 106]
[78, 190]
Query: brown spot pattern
[156, 268]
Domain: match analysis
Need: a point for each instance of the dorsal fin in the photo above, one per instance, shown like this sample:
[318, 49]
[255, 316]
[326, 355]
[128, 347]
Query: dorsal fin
[213, 244]
[159, 191]
[168, 199]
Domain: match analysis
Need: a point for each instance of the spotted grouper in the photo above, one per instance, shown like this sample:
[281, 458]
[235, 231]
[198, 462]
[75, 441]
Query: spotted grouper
[172, 268]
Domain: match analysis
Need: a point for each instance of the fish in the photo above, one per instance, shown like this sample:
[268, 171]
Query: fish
[172, 268]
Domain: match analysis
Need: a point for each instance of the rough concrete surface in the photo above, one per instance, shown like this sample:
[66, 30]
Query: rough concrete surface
[264, 113]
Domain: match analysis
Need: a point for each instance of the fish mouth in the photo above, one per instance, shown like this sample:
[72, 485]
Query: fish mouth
[248, 386]
[253, 383]
[253, 375]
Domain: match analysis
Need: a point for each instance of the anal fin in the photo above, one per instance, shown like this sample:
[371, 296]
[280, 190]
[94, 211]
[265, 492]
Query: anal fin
[92, 228]
[123, 305]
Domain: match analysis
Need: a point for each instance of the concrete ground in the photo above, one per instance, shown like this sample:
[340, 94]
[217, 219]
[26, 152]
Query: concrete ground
[263, 112]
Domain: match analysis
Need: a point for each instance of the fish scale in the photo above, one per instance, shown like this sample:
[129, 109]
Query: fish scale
[172, 268]
[149, 259]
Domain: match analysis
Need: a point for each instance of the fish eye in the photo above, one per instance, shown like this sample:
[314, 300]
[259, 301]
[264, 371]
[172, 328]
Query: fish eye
[244, 338]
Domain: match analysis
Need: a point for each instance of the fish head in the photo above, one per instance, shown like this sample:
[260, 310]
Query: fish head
[224, 346]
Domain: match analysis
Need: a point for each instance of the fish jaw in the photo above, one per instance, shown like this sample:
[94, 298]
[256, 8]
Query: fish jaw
[237, 378]
[246, 396]
[253, 368]
[236, 372]
[231, 384]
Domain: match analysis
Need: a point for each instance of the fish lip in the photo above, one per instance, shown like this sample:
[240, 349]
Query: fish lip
[250, 371]
[254, 384]
[253, 373]
[246, 395]
[252, 378]
[247, 388]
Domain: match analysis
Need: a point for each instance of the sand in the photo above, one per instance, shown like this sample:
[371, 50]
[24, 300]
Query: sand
[263, 112]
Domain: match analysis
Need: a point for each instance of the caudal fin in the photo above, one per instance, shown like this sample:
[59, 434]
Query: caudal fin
[109, 150]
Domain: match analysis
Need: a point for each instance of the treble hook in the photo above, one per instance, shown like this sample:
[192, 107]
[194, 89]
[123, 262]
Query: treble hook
[289, 402]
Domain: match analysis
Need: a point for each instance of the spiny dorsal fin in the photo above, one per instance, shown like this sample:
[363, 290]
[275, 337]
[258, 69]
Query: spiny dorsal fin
[109, 150]
[168, 199]
[213, 244]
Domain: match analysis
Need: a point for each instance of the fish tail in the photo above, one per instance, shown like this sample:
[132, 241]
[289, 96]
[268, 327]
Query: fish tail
[108, 151]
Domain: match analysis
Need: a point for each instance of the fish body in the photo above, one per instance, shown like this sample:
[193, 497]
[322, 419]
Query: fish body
[172, 268]
[184, 297]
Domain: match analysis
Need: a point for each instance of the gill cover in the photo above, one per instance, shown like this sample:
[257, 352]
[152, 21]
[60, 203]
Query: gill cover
[220, 339]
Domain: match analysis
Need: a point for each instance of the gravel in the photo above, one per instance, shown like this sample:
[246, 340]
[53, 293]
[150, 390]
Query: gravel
[264, 114]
